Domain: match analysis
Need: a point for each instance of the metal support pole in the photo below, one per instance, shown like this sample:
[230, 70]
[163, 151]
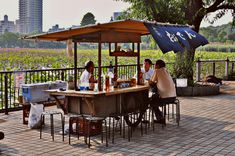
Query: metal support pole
[99, 66]
[227, 68]
[75, 66]
[138, 63]
[213, 68]
[6, 94]
[198, 70]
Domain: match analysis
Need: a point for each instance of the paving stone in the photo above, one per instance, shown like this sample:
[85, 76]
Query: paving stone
[207, 127]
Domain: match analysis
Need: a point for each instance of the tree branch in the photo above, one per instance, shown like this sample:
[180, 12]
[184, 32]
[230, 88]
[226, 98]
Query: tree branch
[152, 5]
[216, 4]
[224, 6]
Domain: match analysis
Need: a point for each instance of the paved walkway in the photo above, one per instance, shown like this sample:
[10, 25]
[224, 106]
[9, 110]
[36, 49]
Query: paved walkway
[207, 127]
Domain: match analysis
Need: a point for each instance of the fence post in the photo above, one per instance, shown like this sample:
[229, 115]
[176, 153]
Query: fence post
[232, 70]
[198, 70]
[62, 75]
[6, 94]
[227, 68]
[213, 69]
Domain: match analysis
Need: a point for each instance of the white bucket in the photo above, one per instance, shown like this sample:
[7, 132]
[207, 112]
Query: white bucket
[182, 82]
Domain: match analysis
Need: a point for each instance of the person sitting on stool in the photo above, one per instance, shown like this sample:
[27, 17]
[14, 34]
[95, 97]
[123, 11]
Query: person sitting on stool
[165, 86]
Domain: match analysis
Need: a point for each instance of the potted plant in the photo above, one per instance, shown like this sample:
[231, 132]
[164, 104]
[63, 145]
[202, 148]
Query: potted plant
[183, 70]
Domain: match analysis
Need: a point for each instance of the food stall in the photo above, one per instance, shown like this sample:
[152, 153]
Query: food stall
[119, 101]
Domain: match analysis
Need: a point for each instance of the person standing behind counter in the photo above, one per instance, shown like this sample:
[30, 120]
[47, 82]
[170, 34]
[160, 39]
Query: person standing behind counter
[87, 75]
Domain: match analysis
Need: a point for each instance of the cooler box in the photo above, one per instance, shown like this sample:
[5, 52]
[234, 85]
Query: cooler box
[35, 92]
[58, 85]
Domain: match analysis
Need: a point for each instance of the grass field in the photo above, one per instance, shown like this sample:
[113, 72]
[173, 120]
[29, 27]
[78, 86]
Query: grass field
[24, 59]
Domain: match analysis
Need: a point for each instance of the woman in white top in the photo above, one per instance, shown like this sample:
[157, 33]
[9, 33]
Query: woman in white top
[166, 91]
[87, 75]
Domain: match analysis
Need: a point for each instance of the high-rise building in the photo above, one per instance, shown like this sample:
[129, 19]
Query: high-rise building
[30, 16]
[6, 25]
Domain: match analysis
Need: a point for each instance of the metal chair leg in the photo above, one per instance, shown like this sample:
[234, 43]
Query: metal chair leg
[52, 126]
[41, 126]
[62, 122]
[70, 123]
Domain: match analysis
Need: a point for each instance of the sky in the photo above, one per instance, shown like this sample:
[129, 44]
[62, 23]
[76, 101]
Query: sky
[70, 12]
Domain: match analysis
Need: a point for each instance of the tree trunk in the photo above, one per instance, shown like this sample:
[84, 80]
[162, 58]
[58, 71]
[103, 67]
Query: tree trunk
[194, 17]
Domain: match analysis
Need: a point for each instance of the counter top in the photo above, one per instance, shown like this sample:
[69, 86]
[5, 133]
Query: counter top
[93, 94]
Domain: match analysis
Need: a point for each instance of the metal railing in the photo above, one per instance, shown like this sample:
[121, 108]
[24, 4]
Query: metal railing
[9, 93]
[219, 68]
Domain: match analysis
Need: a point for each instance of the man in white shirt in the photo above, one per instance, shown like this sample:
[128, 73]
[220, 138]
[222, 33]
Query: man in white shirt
[166, 91]
[147, 71]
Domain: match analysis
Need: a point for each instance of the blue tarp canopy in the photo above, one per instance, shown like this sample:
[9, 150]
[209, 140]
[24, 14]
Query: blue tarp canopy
[175, 38]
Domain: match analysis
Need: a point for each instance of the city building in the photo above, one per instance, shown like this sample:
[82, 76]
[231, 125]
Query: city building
[7, 26]
[17, 26]
[30, 16]
[55, 28]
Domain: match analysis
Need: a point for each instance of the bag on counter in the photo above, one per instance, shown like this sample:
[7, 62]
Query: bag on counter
[35, 115]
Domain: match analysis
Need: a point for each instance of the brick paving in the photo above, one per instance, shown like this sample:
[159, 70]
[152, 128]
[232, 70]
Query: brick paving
[207, 127]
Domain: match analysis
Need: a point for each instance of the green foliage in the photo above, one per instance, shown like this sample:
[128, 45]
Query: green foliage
[87, 19]
[12, 40]
[223, 33]
[218, 47]
[23, 59]
[183, 66]
[159, 10]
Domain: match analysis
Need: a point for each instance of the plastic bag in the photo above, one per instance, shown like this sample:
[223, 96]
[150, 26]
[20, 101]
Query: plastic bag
[35, 115]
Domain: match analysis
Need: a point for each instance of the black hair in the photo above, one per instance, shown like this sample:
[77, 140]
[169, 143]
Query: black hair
[88, 65]
[161, 63]
[148, 60]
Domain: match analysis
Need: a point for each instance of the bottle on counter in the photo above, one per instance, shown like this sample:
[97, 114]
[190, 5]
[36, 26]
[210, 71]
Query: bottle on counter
[107, 84]
[110, 74]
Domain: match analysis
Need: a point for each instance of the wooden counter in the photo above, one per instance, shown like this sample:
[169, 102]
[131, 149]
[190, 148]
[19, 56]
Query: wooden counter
[93, 94]
[105, 103]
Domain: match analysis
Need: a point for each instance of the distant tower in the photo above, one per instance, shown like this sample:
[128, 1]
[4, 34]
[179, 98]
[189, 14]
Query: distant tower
[30, 16]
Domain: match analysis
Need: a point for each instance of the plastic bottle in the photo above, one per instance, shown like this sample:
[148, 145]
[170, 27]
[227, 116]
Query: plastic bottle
[110, 73]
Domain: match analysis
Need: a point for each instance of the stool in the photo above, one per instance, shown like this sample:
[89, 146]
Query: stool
[51, 113]
[115, 120]
[165, 104]
[74, 118]
[88, 128]
[146, 120]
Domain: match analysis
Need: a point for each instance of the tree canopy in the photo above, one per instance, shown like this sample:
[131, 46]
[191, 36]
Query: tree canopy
[190, 12]
[87, 19]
